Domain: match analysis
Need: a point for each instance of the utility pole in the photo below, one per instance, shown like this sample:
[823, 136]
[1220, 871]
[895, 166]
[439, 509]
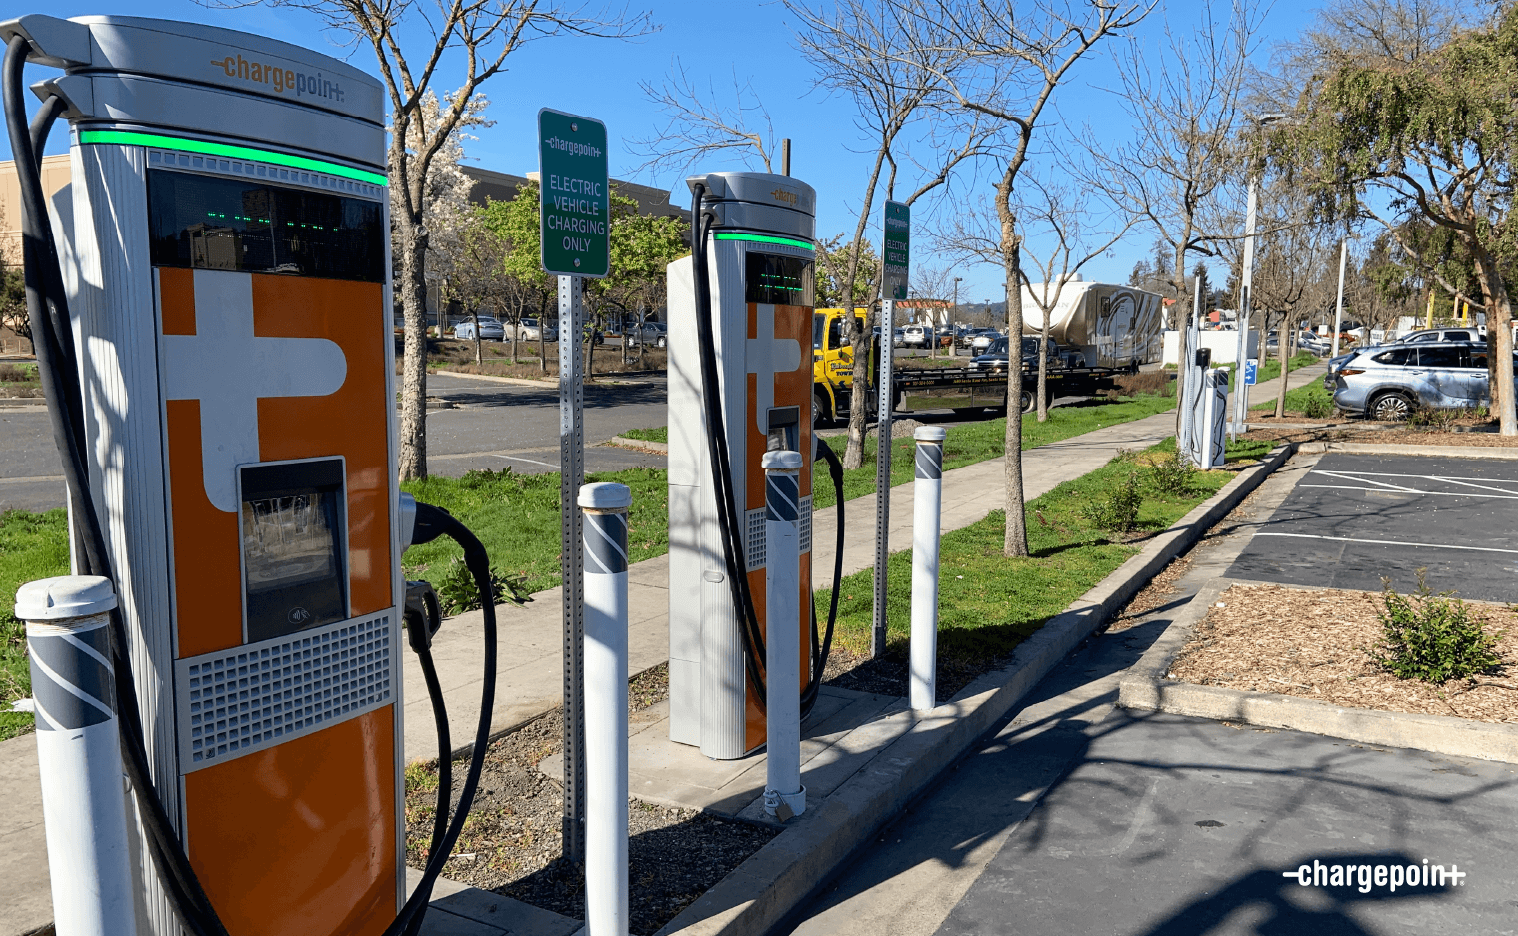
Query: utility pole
[1339, 306]
[954, 313]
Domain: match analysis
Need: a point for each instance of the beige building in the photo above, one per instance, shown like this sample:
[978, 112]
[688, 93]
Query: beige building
[55, 175]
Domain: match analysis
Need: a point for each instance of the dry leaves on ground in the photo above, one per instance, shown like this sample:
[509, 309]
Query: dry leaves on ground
[1315, 644]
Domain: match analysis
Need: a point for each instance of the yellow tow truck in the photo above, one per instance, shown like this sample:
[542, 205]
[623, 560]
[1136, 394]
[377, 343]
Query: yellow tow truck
[936, 388]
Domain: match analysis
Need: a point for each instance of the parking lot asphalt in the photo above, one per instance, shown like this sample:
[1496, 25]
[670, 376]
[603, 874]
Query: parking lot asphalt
[1170, 825]
[1354, 519]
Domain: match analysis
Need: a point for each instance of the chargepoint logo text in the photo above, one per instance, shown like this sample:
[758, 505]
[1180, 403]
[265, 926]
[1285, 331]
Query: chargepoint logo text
[282, 80]
[1365, 878]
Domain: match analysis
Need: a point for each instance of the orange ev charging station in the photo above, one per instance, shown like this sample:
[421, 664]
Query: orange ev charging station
[223, 269]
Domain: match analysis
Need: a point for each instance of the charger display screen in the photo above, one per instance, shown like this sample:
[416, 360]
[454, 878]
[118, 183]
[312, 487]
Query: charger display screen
[214, 223]
[294, 576]
[776, 279]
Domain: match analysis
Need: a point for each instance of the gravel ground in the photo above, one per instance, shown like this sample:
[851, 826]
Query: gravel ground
[511, 843]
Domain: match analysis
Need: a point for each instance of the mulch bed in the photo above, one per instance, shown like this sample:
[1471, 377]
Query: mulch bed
[1381, 436]
[512, 842]
[1316, 644]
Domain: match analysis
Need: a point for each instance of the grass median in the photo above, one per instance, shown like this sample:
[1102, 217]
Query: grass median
[988, 603]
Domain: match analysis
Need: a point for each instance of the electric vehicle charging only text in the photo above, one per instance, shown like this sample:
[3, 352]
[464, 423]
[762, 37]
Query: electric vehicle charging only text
[211, 305]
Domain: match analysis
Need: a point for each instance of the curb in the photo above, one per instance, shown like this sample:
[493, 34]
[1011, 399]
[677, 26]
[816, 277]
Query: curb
[491, 378]
[1432, 451]
[1145, 687]
[658, 448]
[762, 891]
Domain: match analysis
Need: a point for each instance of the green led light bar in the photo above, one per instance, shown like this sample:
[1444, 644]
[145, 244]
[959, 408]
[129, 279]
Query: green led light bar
[127, 138]
[764, 239]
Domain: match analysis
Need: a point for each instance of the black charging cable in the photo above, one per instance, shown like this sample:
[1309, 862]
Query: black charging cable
[58, 373]
[725, 496]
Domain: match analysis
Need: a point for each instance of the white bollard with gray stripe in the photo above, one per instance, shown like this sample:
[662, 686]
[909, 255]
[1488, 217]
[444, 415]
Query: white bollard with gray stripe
[784, 796]
[79, 752]
[605, 511]
[927, 511]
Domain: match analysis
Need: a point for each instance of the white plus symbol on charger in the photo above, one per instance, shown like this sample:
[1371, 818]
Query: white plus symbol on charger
[768, 355]
[228, 369]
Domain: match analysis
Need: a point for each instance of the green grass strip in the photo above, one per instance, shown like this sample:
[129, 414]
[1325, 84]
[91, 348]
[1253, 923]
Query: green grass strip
[989, 603]
[658, 434]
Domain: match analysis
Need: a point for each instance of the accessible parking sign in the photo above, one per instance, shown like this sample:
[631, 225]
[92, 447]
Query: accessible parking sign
[575, 197]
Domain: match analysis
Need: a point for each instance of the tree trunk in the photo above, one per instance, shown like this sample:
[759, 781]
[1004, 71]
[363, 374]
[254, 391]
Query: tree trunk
[1284, 353]
[543, 333]
[860, 398]
[1015, 543]
[1043, 366]
[1499, 318]
[853, 453]
[474, 316]
[413, 435]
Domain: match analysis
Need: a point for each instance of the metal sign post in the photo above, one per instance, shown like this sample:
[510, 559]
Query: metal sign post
[575, 211]
[897, 249]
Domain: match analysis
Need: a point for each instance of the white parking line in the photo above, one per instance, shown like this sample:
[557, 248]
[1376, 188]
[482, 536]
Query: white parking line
[527, 460]
[1382, 490]
[1374, 542]
[1355, 477]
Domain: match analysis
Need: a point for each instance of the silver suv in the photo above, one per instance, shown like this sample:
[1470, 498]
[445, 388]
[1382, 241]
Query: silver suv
[1390, 382]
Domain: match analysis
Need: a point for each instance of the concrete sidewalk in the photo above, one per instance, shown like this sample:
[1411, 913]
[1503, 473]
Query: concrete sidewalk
[529, 681]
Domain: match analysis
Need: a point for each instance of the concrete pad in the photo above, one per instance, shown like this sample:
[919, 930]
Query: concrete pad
[26, 895]
[832, 749]
[460, 910]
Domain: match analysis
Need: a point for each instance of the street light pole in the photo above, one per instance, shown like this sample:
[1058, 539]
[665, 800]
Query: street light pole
[1246, 296]
[1339, 306]
[954, 313]
[1240, 390]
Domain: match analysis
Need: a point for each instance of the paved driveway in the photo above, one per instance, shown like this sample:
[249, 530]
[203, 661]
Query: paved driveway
[1353, 519]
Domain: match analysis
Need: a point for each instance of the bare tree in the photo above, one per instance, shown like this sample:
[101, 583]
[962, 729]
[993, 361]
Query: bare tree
[1181, 171]
[1295, 266]
[483, 34]
[1060, 217]
[896, 63]
[698, 126]
[1009, 59]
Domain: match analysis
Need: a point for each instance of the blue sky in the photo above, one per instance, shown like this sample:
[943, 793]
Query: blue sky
[715, 41]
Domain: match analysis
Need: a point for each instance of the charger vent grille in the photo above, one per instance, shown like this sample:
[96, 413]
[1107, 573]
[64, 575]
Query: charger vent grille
[234, 702]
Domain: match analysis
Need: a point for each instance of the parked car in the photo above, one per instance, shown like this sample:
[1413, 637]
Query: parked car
[490, 329]
[983, 339]
[995, 358]
[654, 333]
[1318, 345]
[1391, 381]
[917, 336]
[1440, 334]
[530, 329]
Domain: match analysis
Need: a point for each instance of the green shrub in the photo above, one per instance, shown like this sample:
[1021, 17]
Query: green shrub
[1173, 475]
[457, 591]
[1432, 637]
[1118, 511]
[1318, 406]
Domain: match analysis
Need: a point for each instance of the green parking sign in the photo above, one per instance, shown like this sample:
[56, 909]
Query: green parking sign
[898, 240]
[575, 197]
